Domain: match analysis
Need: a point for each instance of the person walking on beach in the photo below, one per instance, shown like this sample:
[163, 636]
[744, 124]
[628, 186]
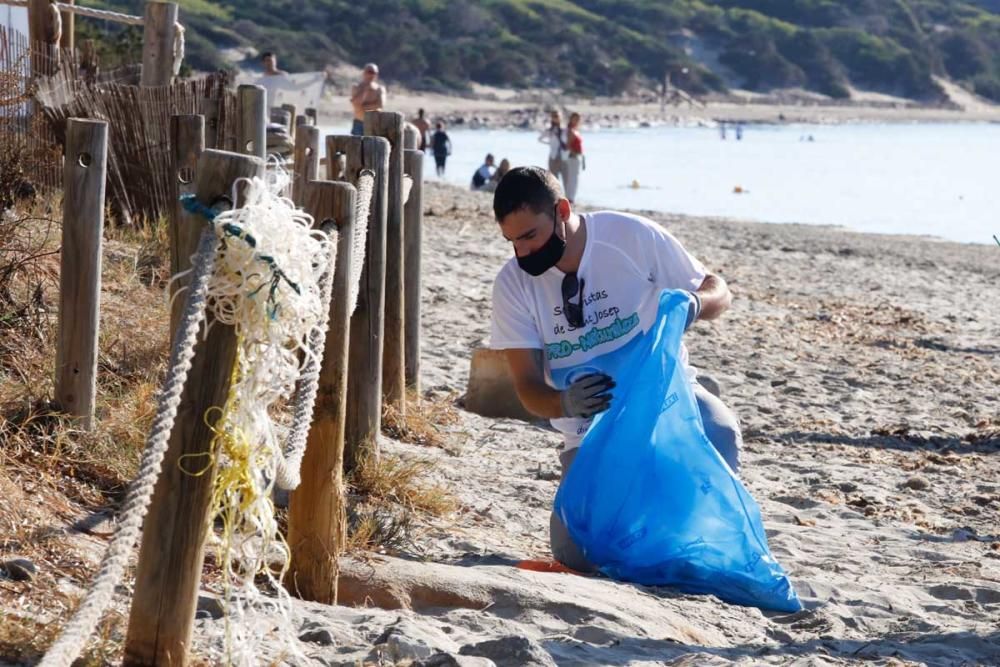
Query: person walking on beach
[554, 136]
[424, 127]
[574, 162]
[366, 95]
[572, 274]
[481, 177]
[441, 147]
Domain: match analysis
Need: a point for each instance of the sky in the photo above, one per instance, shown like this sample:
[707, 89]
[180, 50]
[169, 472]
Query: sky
[14, 17]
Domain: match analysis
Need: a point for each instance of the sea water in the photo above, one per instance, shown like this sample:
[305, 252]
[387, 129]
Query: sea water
[929, 179]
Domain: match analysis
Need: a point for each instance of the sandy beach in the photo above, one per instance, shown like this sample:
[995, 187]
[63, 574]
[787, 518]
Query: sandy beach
[864, 369]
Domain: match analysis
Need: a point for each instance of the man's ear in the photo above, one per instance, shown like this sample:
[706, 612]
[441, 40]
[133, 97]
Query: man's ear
[564, 208]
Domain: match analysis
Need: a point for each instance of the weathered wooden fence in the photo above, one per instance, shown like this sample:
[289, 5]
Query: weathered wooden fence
[147, 146]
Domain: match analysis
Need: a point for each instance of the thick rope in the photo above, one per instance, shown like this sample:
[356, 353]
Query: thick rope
[366, 188]
[407, 187]
[103, 14]
[76, 633]
[288, 473]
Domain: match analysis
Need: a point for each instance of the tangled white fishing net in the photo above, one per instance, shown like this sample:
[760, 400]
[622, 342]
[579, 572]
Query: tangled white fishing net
[267, 285]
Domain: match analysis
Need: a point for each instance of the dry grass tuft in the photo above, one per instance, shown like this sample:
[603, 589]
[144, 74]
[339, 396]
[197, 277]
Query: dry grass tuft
[424, 421]
[387, 495]
[391, 479]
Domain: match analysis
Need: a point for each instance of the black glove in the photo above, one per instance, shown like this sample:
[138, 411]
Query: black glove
[587, 396]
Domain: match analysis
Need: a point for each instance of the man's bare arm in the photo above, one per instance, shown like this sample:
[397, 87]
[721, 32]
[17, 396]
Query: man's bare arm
[529, 381]
[715, 297]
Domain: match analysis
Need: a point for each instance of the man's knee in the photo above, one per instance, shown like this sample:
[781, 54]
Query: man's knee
[721, 427]
[728, 441]
[563, 547]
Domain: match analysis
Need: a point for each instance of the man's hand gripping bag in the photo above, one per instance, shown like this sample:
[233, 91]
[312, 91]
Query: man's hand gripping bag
[649, 500]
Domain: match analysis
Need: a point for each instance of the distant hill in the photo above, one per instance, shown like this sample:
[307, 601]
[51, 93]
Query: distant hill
[612, 46]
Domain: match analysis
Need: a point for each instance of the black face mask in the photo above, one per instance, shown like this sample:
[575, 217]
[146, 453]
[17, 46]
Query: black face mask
[543, 259]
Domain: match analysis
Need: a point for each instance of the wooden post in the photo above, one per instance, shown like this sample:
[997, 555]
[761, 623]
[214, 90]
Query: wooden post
[68, 39]
[306, 162]
[290, 108]
[158, 33]
[317, 517]
[311, 113]
[301, 120]
[43, 36]
[364, 376]
[173, 536]
[84, 177]
[413, 214]
[389, 124]
[251, 121]
[213, 130]
[411, 137]
[187, 143]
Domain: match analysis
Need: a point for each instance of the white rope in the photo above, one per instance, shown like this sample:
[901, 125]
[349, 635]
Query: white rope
[407, 187]
[178, 47]
[75, 634]
[103, 14]
[366, 188]
[289, 474]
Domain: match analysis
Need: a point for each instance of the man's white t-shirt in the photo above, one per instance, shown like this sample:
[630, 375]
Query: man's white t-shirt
[628, 260]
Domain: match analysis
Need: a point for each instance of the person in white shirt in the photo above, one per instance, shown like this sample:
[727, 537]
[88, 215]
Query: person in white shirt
[274, 81]
[555, 136]
[481, 177]
[575, 299]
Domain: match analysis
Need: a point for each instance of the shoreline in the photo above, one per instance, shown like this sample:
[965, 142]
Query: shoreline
[457, 111]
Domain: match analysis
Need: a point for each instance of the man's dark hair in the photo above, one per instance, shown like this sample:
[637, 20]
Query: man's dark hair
[420, 112]
[526, 187]
[440, 125]
[267, 54]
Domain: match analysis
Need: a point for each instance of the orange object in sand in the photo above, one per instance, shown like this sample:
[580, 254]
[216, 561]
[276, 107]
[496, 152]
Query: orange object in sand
[549, 565]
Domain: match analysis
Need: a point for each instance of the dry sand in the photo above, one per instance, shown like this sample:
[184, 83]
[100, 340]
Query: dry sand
[865, 371]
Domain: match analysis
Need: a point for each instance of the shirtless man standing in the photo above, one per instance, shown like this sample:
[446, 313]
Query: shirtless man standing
[367, 95]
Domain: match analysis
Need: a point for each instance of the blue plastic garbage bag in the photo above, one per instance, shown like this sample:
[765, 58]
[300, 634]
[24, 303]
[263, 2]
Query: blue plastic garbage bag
[649, 500]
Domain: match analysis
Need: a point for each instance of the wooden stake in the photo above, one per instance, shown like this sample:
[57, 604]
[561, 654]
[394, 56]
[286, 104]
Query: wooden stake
[364, 377]
[413, 214]
[290, 108]
[43, 36]
[84, 178]
[306, 162]
[317, 517]
[411, 137]
[213, 131]
[68, 39]
[158, 34]
[187, 143]
[389, 124]
[173, 537]
[251, 121]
